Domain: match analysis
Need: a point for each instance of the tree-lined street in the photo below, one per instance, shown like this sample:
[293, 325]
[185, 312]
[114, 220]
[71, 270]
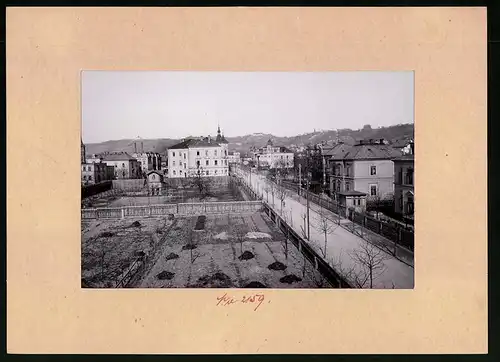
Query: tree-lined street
[346, 252]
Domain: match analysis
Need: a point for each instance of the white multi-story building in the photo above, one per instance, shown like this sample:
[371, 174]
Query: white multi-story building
[273, 156]
[202, 155]
[234, 158]
[148, 161]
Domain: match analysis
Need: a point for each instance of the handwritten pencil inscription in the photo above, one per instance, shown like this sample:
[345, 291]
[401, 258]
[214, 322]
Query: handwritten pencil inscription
[255, 299]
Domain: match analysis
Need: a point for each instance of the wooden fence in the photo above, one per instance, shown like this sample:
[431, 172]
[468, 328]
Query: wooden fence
[392, 231]
[91, 190]
[326, 270]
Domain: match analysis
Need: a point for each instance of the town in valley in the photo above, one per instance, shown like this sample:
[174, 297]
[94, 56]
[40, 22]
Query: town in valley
[327, 208]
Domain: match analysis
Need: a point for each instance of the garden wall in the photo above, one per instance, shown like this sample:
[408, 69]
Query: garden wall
[167, 209]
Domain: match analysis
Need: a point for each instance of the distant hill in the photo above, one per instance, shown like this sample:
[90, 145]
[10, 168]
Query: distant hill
[243, 143]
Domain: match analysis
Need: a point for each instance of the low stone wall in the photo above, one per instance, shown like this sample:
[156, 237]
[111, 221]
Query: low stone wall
[167, 209]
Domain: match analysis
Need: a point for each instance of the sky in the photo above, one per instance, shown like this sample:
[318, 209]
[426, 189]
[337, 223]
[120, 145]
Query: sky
[164, 104]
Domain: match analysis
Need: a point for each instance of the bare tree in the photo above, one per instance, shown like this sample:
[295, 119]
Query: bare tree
[240, 233]
[371, 259]
[325, 226]
[266, 190]
[272, 189]
[200, 181]
[192, 246]
[282, 194]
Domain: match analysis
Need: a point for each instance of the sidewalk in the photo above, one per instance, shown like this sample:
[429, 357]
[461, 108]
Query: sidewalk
[397, 251]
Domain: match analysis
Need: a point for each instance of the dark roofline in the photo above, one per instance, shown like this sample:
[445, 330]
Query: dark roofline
[352, 193]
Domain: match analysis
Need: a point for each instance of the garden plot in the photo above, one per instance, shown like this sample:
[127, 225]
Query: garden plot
[230, 251]
[112, 248]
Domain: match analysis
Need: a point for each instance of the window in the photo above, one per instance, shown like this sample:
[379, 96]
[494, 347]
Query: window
[225, 153]
[347, 171]
[373, 190]
[216, 172]
[373, 170]
[123, 164]
[85, 178]
[359, 202]
[225, 161]
[173, 163]
[180, 172]
[409, 177]
[197, 153]
[206, 153]
[198, 163]
[206, 162]
[184, 165]
[184, 155]
[215, 152]
[153, 177]
[174, 172]
[207, 171]
[90, 178]
[215, 162]
[173, 154]
[347, 186]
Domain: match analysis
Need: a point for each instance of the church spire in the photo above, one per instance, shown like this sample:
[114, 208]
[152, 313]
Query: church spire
[218, 128]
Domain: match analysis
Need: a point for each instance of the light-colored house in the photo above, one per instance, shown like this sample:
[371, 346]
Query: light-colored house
[365, 167]
[125, 166]
[156, 184]
[404, 179]
[234, 158]
[205, 155]
[352, 200]
[273, 156]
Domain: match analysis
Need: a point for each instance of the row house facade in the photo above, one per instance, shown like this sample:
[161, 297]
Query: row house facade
[366, 167]
[148, 161]
[205, 155]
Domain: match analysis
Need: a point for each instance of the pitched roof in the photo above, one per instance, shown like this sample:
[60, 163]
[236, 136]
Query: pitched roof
[364, 152]
[121, 156]
[195, 143]
[285, 150]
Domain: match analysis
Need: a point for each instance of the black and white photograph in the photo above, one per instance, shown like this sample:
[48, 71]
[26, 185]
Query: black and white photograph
[273, 180]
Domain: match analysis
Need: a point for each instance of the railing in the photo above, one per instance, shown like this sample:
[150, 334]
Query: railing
[167, 209]
[329, 273]
[392, 231]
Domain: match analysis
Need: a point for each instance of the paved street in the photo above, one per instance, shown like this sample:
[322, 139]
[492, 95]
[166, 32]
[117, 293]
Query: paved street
[341, 244]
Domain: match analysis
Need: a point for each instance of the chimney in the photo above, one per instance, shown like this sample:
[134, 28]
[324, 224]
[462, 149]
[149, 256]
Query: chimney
[135, 147]
[142, 147]
[209, 139]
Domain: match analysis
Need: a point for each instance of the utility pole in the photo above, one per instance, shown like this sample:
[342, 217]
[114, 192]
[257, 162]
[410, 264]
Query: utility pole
[300, 177]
